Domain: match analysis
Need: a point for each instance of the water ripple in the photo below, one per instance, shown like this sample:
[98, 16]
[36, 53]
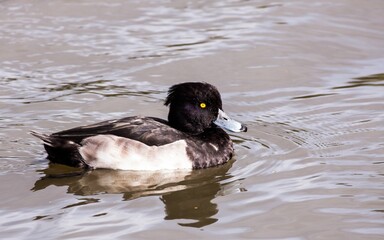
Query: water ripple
[306, 77]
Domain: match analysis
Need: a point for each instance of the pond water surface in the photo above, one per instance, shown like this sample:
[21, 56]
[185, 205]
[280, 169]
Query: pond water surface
[306, 77]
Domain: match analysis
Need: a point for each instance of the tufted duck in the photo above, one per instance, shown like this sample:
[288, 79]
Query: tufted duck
[192, 138]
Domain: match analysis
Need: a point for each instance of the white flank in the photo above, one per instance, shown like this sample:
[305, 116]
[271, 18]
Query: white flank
[113, 152]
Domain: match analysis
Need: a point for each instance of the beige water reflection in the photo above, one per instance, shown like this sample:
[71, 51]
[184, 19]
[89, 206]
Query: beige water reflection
[186, 195]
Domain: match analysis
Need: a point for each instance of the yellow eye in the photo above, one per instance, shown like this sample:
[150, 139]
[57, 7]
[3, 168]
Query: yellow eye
[203, 105]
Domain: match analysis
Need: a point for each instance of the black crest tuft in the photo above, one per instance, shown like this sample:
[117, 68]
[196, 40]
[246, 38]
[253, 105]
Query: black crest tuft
[194, 91]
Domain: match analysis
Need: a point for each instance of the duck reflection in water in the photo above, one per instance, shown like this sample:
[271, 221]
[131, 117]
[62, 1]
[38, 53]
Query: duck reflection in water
[186, 194]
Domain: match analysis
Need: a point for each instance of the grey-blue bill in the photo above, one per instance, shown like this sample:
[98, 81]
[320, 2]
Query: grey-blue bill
[225, 122]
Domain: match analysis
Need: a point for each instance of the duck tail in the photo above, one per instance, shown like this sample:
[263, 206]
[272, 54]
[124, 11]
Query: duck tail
[61, 150]
[55, 141]
[44, 137]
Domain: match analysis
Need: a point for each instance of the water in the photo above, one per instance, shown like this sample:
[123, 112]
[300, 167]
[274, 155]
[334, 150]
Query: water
[305, 76]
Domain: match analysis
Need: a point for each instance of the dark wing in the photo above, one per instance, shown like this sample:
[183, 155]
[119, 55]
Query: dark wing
[151, 131]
